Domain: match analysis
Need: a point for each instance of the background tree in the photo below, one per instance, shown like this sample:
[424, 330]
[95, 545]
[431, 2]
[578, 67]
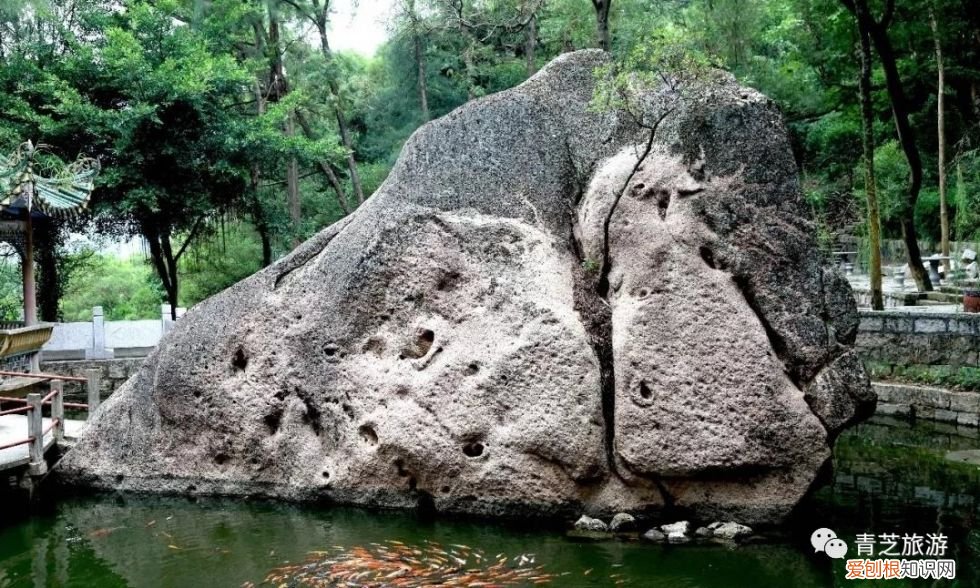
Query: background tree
[877, 30]
[941, 136]
[870, 180]
[602, 23]
[189, 105]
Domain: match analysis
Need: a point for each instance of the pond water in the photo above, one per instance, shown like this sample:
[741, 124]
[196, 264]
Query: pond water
[889, 476]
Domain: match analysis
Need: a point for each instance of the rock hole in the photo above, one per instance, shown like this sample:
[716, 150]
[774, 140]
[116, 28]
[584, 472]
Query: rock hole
[368, 434]
[472, 369]
[272, 421]
[426, 505]
[191, 489]
[330, 350]
[708, 256]
[119, 478]
[645, 392]
[474, 449]
[197, 393]
[420, 346]
[663, 203]
[444, 489]
[221, 458]
[375, 345]
[240, 360]
[348, 411]
[399, 464]
[642, 293]
[325, 474]
[447, 281]
[311, 416]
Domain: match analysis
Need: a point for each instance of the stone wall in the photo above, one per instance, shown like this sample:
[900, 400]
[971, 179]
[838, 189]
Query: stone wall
[114, 373]
[900, 338]
[939, 404]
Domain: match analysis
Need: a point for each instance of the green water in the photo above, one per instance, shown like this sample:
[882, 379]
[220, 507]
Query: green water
[889, 476]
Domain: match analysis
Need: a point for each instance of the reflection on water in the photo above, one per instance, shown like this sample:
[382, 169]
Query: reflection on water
[888, 477]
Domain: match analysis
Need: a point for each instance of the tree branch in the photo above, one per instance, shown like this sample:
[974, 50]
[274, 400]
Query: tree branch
[190, 237]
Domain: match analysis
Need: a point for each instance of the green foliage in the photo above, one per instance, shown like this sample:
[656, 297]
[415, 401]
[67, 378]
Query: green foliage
[892, 177]
[124, 288]
[959, 378]
[667, 64]
[224, 258]
[11, 290]
[164, 93]
[965, 194]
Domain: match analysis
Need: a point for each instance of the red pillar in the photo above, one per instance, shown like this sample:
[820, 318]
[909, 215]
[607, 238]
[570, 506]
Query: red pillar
[27, 266]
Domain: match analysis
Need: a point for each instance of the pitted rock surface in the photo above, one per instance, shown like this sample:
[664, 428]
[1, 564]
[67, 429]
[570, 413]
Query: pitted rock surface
[540, 311]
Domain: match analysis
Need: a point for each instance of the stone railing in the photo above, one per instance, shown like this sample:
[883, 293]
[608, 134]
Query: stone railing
[102, 339]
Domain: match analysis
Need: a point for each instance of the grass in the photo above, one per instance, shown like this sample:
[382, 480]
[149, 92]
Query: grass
[945, 376]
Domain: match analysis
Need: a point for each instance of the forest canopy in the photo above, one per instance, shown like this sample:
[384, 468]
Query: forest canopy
[231, 130]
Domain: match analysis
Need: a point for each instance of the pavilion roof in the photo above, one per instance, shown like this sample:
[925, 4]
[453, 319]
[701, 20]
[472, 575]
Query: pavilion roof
[57, 190]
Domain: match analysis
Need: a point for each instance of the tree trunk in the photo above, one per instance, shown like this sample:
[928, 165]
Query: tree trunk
[531, 44]
[941, 129]
[470, 72]
[277, 75]
[325, 167]
[162, 260]
[602, 22]
[49, 282]
[900, 112]
[260, 222]
[870, 186]
[961, 204]
[355, 178]
[173, 288]
[420, 68]
[293, 203]
[258, 212]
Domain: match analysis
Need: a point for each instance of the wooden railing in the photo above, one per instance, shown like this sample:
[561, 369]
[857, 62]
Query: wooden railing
[33, 407]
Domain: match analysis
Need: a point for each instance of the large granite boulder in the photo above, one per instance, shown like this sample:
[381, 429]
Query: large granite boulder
[539, 311]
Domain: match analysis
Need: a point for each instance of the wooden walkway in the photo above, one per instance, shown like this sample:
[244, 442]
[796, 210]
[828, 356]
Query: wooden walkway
[13, 427]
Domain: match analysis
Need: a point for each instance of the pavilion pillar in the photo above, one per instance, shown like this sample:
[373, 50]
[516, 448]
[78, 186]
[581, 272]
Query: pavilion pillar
[27, 265]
